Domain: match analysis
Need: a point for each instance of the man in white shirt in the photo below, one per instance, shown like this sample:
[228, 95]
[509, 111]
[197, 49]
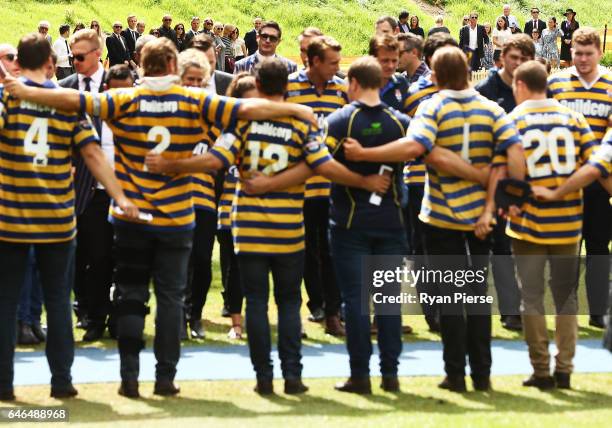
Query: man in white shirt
[472, 39]
[510, 19]
[62, 50]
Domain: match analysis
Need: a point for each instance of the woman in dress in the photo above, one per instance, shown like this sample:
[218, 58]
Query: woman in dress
[414, 26]
[240, 50]
[179, 29]
[568, 27]
[501, 33]
[550, 50]
[228, 43]
[487, 60]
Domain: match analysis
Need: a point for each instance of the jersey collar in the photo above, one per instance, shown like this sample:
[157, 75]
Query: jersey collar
[549, 102]
[465, 93]
[587, 85]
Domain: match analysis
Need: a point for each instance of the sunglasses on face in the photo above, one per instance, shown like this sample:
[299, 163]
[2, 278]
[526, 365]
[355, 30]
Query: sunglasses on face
[167, 20]
[474, 17]
[80, 57]
[117, 26]
[11, 57]
[269, 37]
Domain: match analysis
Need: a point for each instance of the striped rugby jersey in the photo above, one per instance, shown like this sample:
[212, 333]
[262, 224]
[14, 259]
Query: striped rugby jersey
[422, 90]
[475, 128]
[594, 100]
[171, 121]
[230, 181]
[603, 155]
[272, 223]
[203, 184]
[556, 141]
[248, 64]
[36, 187]
[301, 91]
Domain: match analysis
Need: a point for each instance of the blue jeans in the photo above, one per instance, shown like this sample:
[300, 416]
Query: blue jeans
[30, 301]
[287, 271]
[347, 249]
[54, 262]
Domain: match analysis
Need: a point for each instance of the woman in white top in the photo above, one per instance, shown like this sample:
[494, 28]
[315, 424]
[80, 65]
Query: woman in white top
[240, 50]
[501, 33]
[537, 41]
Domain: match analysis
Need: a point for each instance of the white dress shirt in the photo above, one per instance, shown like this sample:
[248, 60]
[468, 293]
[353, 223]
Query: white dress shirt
[473, 37]
[62, 50]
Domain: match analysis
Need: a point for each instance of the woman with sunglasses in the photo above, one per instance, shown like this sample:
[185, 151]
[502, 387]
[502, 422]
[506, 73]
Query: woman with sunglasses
[240, 50]
[219, 45]
[179, 29]
[228, 44]
[95, 25]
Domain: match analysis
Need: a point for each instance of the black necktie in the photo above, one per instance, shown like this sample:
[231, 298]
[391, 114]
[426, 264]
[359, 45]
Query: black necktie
[87, 81]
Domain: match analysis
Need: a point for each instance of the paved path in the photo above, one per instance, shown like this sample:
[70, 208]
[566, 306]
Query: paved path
[232, 362]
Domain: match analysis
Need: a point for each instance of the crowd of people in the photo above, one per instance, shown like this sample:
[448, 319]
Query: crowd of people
[183, 141]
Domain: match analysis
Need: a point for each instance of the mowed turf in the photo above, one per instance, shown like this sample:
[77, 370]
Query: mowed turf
[420, 404]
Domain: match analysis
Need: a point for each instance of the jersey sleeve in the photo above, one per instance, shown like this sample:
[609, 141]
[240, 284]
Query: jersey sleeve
[424, 127]
[228, 145]
[111, 104]
[315, 150]
[84, 132]
[504, 132]
[334, 131]
[2, 108]
[599, 156]
[220, 111]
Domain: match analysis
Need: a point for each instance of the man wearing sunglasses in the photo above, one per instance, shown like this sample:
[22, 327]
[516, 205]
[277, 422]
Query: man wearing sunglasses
[130, 34]
[166, 30]
[268, 39]
[116, 46]
[8, 57]
[472, 39]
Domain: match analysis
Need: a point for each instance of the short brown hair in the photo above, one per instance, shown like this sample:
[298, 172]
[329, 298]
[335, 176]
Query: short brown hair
[411, 41]
[240, 85]
[88, 35]
[272, 75]
[271, 24]
[367, 71]
[311, 32]
[201, 42]
[319, 45]
[587, 36]
[533, 74]
[522, 42]
[33, 51]
[389, 20]
[451, 68]
[387, 42]
[157, 56]
[435, 42]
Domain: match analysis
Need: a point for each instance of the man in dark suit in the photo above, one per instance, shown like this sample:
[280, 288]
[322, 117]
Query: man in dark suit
[195, 29]
[117, 47]
[130, 34]
[166, 30]
[472, 38]
[534, 22]
[250, 38]
[404, 25]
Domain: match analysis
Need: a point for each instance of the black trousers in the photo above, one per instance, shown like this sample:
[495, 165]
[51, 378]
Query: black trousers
[506, 286]
[230, 272]
[200, 263]
[94, 259]
[596, 230]
[466, 329]
[319, 279]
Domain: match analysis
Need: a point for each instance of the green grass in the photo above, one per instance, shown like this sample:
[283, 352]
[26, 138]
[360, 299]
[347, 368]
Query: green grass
[420, 404]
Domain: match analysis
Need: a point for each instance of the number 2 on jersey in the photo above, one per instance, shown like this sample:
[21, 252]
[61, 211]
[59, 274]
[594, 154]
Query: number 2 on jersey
[548, 143]
[38, 131]
[164, 133]
[269, 153]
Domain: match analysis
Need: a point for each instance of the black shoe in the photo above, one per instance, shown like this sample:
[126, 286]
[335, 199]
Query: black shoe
[264, 387]
[67, 391]
[481, 383]
[562, 380]
[196, 329]
[295, 386]
[512, 322]
[225, 313]
[390, 384]
[355, 385]
[7, 395]
[39, 332]
[129, 389]
[94, 332]
[166, 388]
[317, 315]
[540, 382]
[597, 321]
[455, 383]
[82, 322]
[25, 335]
[433, 323]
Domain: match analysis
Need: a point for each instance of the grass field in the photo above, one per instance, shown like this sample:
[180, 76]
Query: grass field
[420, 404]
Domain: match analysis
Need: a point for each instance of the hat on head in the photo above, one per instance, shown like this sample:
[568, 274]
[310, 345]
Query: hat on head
[568, 11]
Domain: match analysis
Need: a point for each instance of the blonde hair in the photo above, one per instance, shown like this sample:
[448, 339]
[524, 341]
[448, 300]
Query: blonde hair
[157, 55]
[87, 35]
[451, 68]
[193, 58]
[587, 36]
[227, 29]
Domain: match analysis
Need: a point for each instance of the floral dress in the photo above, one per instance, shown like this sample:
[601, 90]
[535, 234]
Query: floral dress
[550, 51]
[487, 61]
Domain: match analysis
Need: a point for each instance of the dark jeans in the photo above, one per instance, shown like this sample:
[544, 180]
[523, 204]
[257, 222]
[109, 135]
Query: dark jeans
[348, 248]
[230, 272]
[94, 258]
[319, 277]
[504, 277]
[140, 256]
[30, 301]
[53, 262]
[596, 230]
[200, 263]
[462, 334]
[287, 271]
[475, 59]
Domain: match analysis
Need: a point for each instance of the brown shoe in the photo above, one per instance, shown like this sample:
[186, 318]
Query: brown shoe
[295, 386]
[129, 389]
[264, 387]
[355, 385]
[166, 388]
[67, 391]
[453, 383]
[540, 382]
[390, 384]
[333, 326]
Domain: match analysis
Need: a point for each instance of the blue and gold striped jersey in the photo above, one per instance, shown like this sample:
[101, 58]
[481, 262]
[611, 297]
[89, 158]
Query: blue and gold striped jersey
[556, 141]
[230, 182]
[203, 184]
[272, 223]
[300, 90]
[36, 189]
[422, 90]
[475, 128]
[594, 100]
[602, 158]
[171, 121]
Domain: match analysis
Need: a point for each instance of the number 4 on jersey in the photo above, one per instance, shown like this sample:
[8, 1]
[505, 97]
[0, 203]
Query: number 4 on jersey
[38, 132]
